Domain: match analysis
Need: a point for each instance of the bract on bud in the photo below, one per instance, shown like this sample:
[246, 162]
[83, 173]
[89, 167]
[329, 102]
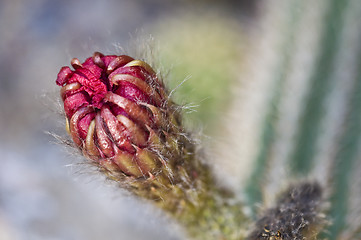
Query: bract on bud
[115, 108]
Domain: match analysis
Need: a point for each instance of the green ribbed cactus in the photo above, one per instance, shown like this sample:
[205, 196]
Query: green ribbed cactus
[288, 131]
[312, 119]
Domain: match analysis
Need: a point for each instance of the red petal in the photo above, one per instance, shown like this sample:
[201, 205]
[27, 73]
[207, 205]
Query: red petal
[83, 124]
[74, 130]
[104, 142]
[118, 62]
[108, 59]
[135, 111]
[131, 92]
[63, 76]
[134, 71]
[117, 130]
[91, 84]
[74, 102]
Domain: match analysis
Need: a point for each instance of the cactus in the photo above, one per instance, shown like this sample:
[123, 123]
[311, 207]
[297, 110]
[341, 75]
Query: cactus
[120, 117]
[300, 170]
[311, 125]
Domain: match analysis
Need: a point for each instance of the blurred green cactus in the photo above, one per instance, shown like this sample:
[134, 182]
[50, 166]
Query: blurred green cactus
[202, 52]
[319, 57]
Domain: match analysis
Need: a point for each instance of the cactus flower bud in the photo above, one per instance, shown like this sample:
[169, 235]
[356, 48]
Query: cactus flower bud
[115, 108]
[119, 115]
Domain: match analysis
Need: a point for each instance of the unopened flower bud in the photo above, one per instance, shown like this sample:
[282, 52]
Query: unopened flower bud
[115, 108]
[119, 115]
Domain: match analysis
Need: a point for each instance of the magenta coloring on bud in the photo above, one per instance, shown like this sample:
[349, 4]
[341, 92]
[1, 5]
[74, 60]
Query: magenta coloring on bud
[112, 106]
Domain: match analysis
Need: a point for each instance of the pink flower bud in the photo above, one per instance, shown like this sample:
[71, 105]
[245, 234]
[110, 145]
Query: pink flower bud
[115, 106]
[120, 116]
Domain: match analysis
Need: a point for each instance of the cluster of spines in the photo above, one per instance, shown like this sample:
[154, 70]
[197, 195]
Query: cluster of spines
[294, 217]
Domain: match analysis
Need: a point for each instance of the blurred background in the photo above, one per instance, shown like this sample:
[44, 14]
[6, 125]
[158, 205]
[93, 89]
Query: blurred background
[273, 88]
